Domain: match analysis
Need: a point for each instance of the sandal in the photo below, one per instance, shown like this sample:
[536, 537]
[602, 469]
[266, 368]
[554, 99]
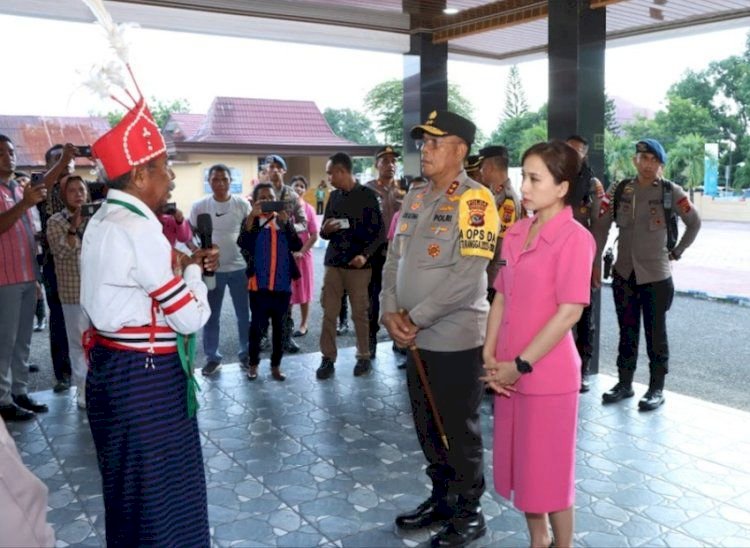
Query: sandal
[252, 372]
[277, 374]
[299, 333]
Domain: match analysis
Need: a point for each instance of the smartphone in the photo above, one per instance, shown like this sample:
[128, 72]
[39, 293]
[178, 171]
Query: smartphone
[83, 151]
[170, 208]
[343, 223]
[37, 178]
[268, 207]
[88, 210]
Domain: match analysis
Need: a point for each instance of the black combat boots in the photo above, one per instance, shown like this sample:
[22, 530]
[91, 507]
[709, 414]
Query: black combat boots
[654, 396]
[623, 389]
[466, 525]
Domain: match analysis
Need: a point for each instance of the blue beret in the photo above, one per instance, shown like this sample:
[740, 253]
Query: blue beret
[654, 147]
[276, 159]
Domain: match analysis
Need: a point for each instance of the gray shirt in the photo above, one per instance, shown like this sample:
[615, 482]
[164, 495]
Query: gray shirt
[642, 241]
[429, 271]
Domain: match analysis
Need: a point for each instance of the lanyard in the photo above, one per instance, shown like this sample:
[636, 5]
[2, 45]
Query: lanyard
[126, 205]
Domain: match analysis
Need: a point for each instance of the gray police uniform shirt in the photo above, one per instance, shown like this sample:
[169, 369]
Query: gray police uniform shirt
[507, 219]
[642, 241]
[436, 264]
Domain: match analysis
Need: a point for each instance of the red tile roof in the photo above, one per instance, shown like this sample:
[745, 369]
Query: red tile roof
[181, 125]
[266, 121]
[33, 135]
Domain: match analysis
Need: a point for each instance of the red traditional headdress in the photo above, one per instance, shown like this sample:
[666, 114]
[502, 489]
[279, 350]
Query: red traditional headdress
[136, 139]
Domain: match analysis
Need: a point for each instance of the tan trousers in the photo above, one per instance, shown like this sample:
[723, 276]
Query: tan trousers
[354, 282]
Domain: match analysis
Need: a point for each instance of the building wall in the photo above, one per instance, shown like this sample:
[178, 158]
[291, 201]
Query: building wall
[727, 209]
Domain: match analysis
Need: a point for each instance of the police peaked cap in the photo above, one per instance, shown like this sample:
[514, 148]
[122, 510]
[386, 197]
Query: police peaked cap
[472, 162]
[654, 147]
[441, 123]
[492, 152]
[387, 149]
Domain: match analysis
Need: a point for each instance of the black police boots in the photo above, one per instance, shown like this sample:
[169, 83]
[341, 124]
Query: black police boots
[466, 525]
[623, 389]
[654, 396]
[434, 510]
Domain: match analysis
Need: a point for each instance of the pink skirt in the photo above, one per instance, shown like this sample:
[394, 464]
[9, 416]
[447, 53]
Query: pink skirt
[302, 288]
[534, 450]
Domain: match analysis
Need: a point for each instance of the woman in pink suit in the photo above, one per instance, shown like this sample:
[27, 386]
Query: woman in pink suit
[302, 288]
[530, 355]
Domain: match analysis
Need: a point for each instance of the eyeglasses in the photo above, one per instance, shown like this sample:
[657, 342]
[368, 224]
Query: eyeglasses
[435, 142]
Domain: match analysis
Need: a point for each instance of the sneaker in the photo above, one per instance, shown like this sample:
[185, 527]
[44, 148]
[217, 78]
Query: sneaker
[363, 367]
[326, 369]
[343, 328]
[291, 347]
[211, 368]
[61, 386]
[40, 326]
[265, 343]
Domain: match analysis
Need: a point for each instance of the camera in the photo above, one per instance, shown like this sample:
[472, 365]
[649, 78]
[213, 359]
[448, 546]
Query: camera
[269, 207]
[88, 210]
[37, 178]
[170, 208]
[83, 151]
[609, 258]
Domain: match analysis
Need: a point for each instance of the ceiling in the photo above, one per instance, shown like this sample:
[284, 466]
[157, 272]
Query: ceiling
[500, 30]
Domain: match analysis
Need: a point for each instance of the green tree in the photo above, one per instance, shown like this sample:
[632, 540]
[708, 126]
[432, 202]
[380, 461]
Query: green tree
[531, 136]
[350, 124]
[510, 132]
[160, 109]
[610, 114]
[386, 102]
[618, 154]
[685, 162]
[515, 97]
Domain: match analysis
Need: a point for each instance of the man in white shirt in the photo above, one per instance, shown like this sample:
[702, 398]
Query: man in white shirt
[228, 212]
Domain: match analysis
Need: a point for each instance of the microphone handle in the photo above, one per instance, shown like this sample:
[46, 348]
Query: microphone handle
[209, 278]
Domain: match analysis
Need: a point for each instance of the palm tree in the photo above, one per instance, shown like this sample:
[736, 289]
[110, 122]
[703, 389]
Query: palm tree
[618, 155]
[686, 161]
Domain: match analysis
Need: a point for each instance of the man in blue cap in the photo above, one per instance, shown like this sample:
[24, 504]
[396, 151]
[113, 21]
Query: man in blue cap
[644, 209]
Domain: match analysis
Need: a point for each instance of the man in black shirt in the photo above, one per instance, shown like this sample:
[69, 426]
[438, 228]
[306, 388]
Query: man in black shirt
[353, 224]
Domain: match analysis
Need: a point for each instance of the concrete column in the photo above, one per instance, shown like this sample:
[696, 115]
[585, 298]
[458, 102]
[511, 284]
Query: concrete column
[577, 38]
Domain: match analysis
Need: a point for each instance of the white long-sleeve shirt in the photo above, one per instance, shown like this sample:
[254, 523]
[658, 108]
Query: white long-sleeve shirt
[126, 267]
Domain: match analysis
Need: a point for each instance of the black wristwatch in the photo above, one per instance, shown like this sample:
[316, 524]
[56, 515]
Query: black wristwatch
[523, 366]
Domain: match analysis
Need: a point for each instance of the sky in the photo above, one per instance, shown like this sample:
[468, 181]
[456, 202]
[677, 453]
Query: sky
[196, 67]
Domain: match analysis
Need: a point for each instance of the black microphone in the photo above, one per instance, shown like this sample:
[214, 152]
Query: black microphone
[205, 229]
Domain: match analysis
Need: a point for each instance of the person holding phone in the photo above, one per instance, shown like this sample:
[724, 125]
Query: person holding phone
[353, 225]
[64, 235]
[267, 242]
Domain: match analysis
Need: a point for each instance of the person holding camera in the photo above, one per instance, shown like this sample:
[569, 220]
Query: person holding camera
[228, 212]
[353, 226]
[17, 286]
[64, 235]
[643, 208]
[268, 242]
[174, 227]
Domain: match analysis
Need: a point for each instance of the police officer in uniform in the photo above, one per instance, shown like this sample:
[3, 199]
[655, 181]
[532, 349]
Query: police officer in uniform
[493, 161]
[472, 165]
[434, 297]
[586, 213]
[642, 278]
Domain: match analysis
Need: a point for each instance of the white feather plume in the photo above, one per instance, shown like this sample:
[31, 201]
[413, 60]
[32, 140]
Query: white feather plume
[97, 82]
[115, 32]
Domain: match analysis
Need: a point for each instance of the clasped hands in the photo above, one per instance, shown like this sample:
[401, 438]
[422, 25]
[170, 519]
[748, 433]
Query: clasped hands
[206, 259]
[501, 376]
[401, 329]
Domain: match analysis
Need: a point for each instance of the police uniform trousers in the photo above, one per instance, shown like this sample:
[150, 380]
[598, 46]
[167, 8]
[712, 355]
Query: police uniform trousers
[457, 473]
[148, 450]
[583, 331]
[652, 300]
[377, 262]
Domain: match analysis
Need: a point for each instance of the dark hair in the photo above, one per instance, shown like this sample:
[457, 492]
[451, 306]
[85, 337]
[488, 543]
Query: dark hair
[500, 161]
[342, 159]
[20, 174]
[299, 178]
[52, 150]
[219, 167]
[121, 182]
[5, 139]
[580, 139]
[259, 187]
[564, 163]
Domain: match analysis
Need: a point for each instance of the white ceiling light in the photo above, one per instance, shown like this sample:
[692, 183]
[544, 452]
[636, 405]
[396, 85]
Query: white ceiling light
[450, 11]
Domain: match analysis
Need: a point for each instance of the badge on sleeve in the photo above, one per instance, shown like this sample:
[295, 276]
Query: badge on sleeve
[684, 205]
[478, 223]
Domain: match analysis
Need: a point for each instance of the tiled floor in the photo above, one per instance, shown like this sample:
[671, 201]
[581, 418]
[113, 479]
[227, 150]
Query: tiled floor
[330, 463]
